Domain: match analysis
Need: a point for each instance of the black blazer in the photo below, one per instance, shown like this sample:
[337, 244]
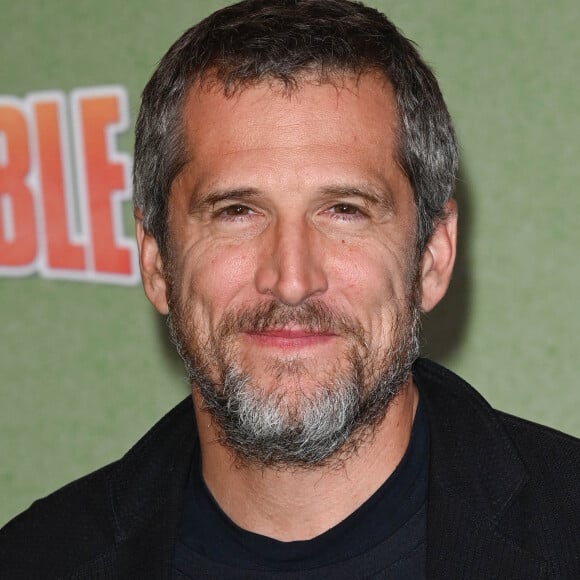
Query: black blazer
[504, 500]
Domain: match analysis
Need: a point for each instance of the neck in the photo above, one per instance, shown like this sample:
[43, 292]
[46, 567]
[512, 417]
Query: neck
[301, 503]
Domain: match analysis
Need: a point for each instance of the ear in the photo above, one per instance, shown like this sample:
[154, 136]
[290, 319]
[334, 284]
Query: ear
[151, 266]
[438, 259]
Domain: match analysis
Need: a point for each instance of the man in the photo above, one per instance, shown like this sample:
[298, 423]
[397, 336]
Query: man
[294, 168]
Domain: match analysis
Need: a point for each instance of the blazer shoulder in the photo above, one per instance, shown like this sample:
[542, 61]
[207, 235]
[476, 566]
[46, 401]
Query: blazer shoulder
[70, 525]
[512, 479]
[546, 511]
[84, 520]
[544, 449]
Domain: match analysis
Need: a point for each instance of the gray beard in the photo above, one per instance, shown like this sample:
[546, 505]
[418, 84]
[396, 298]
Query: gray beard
[327, 424]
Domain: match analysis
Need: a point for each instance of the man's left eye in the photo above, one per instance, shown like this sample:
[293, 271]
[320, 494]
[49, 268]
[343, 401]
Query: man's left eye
[345, 208]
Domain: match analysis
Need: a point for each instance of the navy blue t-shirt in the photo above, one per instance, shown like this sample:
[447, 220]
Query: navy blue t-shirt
[384, 537]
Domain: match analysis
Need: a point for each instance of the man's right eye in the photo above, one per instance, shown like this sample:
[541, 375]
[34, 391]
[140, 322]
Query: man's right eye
[234, 211]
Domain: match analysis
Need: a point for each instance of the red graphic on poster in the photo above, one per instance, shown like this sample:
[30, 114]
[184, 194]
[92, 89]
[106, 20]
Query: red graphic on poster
[18, 242]
[62, 186]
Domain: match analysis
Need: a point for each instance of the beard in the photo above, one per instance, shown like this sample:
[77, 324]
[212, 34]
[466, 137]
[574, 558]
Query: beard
[281, 427]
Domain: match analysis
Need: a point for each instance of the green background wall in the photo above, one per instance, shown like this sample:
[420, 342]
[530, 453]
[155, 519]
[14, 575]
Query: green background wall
[85, 368]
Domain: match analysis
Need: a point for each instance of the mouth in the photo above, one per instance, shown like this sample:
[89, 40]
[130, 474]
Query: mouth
[290, 338]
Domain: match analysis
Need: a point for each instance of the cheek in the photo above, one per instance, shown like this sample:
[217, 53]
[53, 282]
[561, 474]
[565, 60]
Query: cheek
[373, 282]
[370, 272]
[216, 278]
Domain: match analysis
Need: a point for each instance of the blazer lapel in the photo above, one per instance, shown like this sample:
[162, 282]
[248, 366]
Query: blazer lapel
[146, 493]
[462, 544]
[475, 475]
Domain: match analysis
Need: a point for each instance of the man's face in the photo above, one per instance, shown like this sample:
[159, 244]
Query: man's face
[292, 273]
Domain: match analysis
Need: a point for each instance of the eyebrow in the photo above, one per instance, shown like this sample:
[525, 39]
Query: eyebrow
[369, 195]
[210, 199]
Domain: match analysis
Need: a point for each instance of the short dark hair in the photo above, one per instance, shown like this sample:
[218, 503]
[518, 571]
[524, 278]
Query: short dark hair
[282, 40]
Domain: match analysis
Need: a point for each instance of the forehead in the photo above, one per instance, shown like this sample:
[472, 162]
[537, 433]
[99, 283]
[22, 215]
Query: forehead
[347, 127]
[357, 101]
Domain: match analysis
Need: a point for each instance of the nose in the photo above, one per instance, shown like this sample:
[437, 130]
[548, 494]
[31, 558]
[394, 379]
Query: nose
[290, 267]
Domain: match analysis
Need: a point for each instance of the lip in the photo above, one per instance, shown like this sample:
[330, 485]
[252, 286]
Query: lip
[289, 338]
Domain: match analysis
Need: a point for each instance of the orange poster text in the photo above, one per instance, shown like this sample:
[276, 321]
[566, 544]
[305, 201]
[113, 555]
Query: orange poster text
[62, 186]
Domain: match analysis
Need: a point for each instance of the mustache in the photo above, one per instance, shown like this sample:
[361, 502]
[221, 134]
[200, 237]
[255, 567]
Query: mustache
[314, 317]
